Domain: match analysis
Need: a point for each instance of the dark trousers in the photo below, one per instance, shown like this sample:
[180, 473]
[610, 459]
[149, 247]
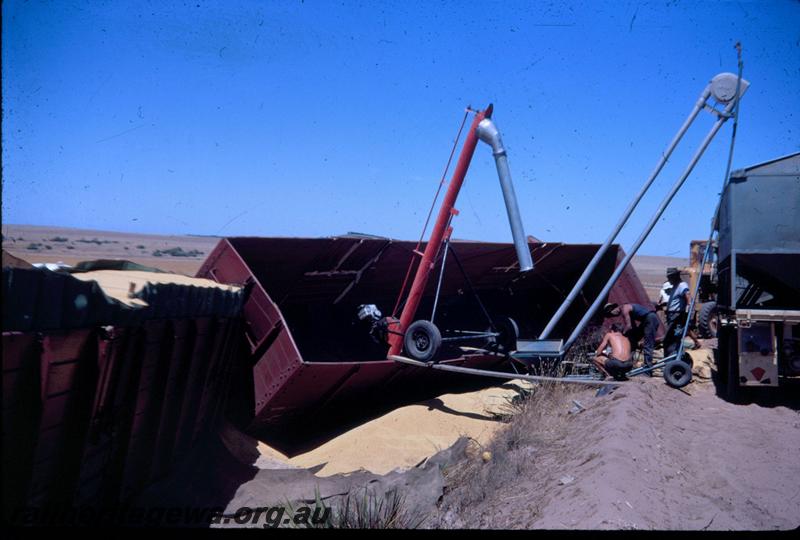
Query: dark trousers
[617, 368]
[675, 323]
[646, 331]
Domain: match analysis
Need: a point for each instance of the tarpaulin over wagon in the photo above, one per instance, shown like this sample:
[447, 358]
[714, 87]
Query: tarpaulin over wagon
[308, 348]
[101, 397]
[40, 299]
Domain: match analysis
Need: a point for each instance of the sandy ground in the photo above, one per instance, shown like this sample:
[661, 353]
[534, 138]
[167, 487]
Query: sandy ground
[406, 436]
[643, 457]
[651, 457]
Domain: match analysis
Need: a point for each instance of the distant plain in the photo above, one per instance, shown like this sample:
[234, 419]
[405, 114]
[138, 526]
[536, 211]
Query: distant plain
[184, 254]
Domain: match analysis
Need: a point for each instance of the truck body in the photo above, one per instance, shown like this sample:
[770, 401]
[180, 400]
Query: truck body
[758, 276]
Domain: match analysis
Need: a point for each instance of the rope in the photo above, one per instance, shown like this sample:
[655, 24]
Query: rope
[441, 276]
[444, 175]
[430, 212]
[725, 182]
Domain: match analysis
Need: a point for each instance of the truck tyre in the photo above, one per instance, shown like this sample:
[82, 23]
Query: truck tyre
[422, 341]
[678, 374]
[707, 322]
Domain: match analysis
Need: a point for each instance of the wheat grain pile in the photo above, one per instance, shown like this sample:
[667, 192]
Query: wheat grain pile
[406, 436]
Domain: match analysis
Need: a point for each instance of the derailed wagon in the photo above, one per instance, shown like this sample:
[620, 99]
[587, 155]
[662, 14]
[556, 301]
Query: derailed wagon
[315, 309]
[308, 347]
[109, 378]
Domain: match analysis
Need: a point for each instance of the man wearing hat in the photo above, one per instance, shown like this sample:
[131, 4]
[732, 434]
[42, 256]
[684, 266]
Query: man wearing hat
[663, 299]
[675, 310]
[646, 325]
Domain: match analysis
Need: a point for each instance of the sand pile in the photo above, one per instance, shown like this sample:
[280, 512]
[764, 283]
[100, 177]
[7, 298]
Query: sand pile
[645, 456]
[406, 436]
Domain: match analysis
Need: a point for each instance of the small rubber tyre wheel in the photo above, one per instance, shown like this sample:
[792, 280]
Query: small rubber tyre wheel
[687, 359]
[678, 374]
[422, 341]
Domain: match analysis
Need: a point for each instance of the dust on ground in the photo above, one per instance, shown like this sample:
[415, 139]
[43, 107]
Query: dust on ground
[646, 456]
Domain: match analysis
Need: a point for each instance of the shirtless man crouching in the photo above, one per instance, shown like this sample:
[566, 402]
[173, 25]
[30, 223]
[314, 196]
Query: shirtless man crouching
[619, 361]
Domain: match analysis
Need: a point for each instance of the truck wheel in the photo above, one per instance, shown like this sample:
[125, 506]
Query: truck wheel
[422, 341]
[677, 374]
[707, 322]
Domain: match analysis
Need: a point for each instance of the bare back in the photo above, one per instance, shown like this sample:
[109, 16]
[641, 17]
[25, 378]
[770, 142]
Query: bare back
[620, 346]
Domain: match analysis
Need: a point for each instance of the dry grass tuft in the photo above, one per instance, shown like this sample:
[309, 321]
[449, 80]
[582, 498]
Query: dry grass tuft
[359, 509]
[535, 424]
[370, 511]
[534, 427]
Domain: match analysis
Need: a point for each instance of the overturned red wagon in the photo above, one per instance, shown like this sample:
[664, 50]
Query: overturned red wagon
[308, 349]
[104, 389]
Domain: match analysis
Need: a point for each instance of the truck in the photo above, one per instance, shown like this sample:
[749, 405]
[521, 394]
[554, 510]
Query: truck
[758, 278]
[705, 307]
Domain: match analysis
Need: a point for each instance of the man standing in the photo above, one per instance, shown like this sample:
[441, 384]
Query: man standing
[663, 300]
[646, 325]
[675, 311]
[619, 361]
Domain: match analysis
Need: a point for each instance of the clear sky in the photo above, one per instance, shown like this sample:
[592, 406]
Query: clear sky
[316, 118]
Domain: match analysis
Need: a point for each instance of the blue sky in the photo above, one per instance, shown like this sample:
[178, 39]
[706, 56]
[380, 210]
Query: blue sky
[316, 118]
